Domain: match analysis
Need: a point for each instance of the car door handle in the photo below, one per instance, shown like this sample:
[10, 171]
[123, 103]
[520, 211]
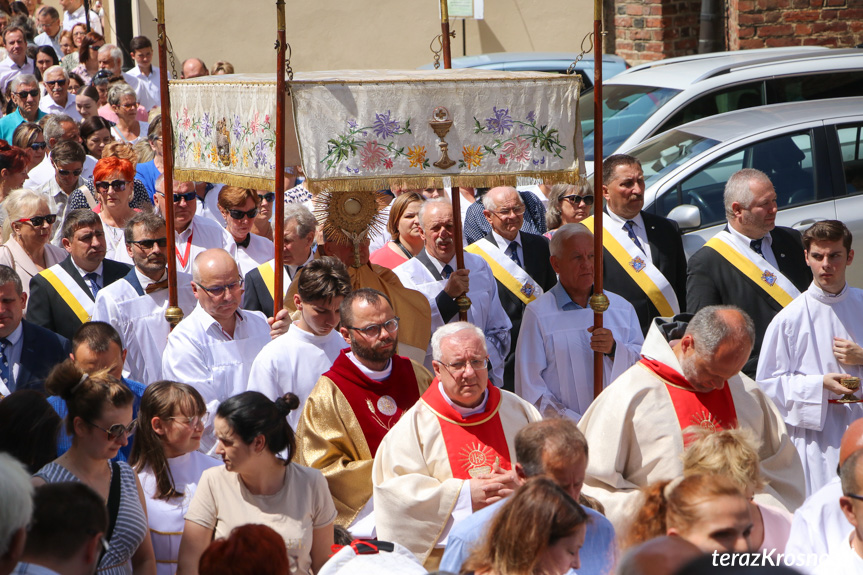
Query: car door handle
[803, 224]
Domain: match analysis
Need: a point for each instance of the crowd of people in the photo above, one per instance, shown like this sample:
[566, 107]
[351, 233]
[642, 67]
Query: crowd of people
[378, 410]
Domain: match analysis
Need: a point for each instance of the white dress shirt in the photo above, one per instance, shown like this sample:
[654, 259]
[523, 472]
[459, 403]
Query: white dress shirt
[744, 243]
[44, 39]
[9, 69]
[637, 227]
[13, 356]
[49, 106]
[77, 17]
[504, 243]
[147, 86]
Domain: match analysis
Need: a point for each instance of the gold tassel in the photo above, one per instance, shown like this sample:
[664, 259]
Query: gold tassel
[216, 176]
[419, 182]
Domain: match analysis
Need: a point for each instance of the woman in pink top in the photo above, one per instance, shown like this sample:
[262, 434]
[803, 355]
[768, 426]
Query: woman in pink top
[404, 226]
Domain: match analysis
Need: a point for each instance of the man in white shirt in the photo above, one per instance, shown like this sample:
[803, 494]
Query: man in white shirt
[848, 557]
[74, 14]
[67, 158]
[813, 347]
[136, 304]
[144, 73]
[58, 99]
[16, 61]
[213, 348]
[433, 273]
[57, 127]
[49, 19]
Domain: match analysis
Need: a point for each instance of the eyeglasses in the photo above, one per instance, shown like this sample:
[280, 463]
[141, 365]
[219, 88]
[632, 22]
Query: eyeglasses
[37, 221]
[24, 93]
[132, 106]
[188, 196]
[575, 199]
[193, 421]
[460, 366]
[268, 197]
[238, 214]
[75, 173]
[117, 430]
[60, 82]
[148, 244]
[118, 185]
[36, 146]
[518, 210]
[374, 330]
[219, 290]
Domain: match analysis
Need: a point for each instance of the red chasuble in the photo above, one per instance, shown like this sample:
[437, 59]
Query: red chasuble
[713, 410]
[377, 405]
[473, 443]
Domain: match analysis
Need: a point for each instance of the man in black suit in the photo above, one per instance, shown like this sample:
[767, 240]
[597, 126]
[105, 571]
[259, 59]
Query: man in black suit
[62, 296]
[526, 255]
[655, 247]
[751, 263]
[27, 352]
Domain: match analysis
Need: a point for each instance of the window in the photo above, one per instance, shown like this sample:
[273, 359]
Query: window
[851, 145]
[815, 86]
[718, 102]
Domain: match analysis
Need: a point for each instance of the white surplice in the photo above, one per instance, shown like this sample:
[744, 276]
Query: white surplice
[819, 526]
[167, 517]
[293, 362]
[259, 251]
[798, 348]
[554, 369]
[485, 310]
[140, 321]
[201, 354]
[844, 560]
[636, 427]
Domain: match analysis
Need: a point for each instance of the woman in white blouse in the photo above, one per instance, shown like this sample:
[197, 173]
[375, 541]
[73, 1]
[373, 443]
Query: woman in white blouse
[239, 207]
[114, 180]
[124, 102]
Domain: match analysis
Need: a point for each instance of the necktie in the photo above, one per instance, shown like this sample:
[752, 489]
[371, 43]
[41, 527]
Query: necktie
[446, 271]
[756, 246]
[93, 278]
[629, 226]
[512, 252]
[5, 373]
[156, 286]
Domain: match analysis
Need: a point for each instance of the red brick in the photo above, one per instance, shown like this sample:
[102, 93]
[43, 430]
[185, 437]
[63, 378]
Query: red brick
[749, 5]
[802, 29]
[746, 33]
[654, 22]
[783, 30]
[623, 21]
[778, 42]
[851, 14]
[816, 3]
[634, 9]
[835, 3]
[802, 15]
[820, 27]
[800, 4]
[772, 17]
[748, 19]
[751, 43]
[828, 14]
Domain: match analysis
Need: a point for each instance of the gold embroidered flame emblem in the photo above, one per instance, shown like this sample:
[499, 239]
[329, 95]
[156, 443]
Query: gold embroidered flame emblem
[706, 420]
[477, 458]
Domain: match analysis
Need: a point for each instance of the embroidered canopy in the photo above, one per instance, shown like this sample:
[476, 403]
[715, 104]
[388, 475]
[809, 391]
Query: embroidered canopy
[369, 130]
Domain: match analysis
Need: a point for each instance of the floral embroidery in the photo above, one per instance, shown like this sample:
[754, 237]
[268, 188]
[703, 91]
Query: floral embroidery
[207, 125]
[543, 138]
[372, 153]
[471, 157]
[501, 121]
[253, 143]
[517, 149]
[384, 127]
[417, 157]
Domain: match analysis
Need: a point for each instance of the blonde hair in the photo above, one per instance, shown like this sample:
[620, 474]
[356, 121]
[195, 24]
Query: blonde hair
[729, 452]
[121, 150]
[19, 204]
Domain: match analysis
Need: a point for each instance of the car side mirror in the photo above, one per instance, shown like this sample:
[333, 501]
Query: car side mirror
[687, 216]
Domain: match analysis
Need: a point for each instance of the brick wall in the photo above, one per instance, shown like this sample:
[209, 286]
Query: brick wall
[648, 30]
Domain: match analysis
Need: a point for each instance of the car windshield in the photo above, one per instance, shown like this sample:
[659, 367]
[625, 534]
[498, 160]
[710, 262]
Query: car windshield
[665, 152]
[624, 109]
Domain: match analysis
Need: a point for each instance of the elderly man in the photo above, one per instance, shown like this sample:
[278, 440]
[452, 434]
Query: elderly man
[57, 128]
[25, 94]
[476, 225]
[62, 297]
[558, 339]
[556, 449]
[74, 14]
[16, 510]
[58, 100]
[299, 240]
[519, 261]
[356, 402]
[848, 555]
[49, 20]
[752, 263]
[689, 376]
[136, 305]
[68, 159]
[194, 68]
[452, 453]
[28, 352]
[16, 61]
[643, 258]
[813, 347]
[213, 348]
[433, 272]
[110, 58]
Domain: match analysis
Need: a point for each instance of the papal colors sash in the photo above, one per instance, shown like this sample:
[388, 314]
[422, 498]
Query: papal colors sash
[268, 274]
[713, 410]
[506, 271]
[70, 292]
[639, 267]
[474, 443]
[755, 267]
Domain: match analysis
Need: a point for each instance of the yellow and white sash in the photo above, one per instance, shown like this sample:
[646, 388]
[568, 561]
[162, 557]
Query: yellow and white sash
[639, 267]
[506, 271]
[755, 267]
[268, 274]
[72, 294]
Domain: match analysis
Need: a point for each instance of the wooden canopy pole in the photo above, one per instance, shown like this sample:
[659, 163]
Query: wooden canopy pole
[279, 224]
[173, 314]
[598, 301]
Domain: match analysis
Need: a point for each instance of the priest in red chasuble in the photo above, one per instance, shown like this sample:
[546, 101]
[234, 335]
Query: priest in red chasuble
[452, 453]
[689, 376]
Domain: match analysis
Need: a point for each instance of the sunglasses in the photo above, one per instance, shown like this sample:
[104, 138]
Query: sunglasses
[37, 221]
[75, 173]
[193, 421]
[219, 290]
[575, 199]
[268, 197]
[24, 93]
[117, 430]
[238, 214]
[188, 196]
[61, 82]
[118, 185]
[148, 244]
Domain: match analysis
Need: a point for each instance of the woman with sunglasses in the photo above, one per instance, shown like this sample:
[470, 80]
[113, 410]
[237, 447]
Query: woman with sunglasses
[112, 179]
[165, 455]
[26, 233]
[124, 102]
[567, 204]
[257, 485]
[29, 137]
[99, 419]
[88, 63]
[239, 207]
[261, 226]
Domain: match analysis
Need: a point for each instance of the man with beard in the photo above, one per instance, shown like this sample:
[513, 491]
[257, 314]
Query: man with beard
[355, 403]
[689, 375]
[136, 305]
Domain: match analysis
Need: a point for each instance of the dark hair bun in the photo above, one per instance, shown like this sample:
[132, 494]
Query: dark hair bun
[287, 403]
